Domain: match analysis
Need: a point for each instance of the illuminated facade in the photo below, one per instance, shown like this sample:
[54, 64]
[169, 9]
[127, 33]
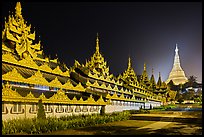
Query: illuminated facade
[177, 74]
[28, 75]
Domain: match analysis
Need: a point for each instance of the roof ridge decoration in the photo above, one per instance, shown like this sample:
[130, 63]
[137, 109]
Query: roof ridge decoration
[28, 62]
[57, 70]
[115, 96]
[115, 88]
[30, 95]
[95, 84]
[7, 57]
[55, 83]
[42, 96]
[8, 92]
[122, 96]
[90, 100]
[88, 83]
[45, 67]
[133, 97]
[122, 90]
[37, 78]
[109, 87]
[79, 87]
[14, 76]
[108, 96]
[100, 100]
[68, 85]
[103, 85]
[66, 73]
[60, 96]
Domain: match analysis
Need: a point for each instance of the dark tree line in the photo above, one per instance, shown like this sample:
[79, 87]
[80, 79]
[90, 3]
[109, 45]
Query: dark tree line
[183, 94]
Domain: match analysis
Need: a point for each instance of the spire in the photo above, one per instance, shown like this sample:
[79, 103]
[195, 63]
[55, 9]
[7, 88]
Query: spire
[176, 50]
[97, 43]
[129, 63]
[18, 9]
[152, 82]
[176, 58]
[144, 67]
[159, 82]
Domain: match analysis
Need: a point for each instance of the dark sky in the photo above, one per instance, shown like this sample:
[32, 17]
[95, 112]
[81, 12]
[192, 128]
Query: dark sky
[147, 32]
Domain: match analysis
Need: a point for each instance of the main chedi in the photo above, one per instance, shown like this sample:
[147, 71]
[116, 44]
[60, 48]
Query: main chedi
[177, 74]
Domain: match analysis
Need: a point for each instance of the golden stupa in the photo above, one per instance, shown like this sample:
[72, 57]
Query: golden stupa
[177, 74]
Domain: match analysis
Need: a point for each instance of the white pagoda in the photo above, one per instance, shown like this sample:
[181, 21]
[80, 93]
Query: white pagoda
[177, 74]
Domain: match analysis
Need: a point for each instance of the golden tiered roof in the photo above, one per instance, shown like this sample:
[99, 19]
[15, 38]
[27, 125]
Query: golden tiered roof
[97, 63]
[19, 35]
[23, 61]
[129, 75]
[152, 82]
[144, 77]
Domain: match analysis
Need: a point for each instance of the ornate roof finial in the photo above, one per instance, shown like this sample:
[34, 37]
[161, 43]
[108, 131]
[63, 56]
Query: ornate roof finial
[159, 74]
[144, 67]
[97, 42]
[18, 9]
[152, 71]
[129, 63]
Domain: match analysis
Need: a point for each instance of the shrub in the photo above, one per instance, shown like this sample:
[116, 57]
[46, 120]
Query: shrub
[38, 126]
[41, 112]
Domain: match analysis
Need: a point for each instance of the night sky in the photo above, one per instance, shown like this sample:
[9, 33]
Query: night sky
[147, 32]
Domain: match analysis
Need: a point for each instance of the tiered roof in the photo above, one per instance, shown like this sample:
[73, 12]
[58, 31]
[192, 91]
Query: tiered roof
[23, 61]
[129, 75]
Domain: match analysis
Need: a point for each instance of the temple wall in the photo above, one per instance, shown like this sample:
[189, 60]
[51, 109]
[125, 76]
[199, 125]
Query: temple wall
[29, 110]
[119, 106]
[26, 112]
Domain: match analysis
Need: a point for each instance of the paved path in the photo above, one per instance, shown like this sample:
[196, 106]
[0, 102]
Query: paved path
[155, 126]
[143, 124]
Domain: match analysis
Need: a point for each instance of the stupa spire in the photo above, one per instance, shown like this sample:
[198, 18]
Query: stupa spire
[176, 50]
[177, 75]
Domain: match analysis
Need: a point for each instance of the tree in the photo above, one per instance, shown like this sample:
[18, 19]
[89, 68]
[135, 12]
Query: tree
[172, 95]
[180, 99]
[41, 112]
[190, 95]
[192, 81]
